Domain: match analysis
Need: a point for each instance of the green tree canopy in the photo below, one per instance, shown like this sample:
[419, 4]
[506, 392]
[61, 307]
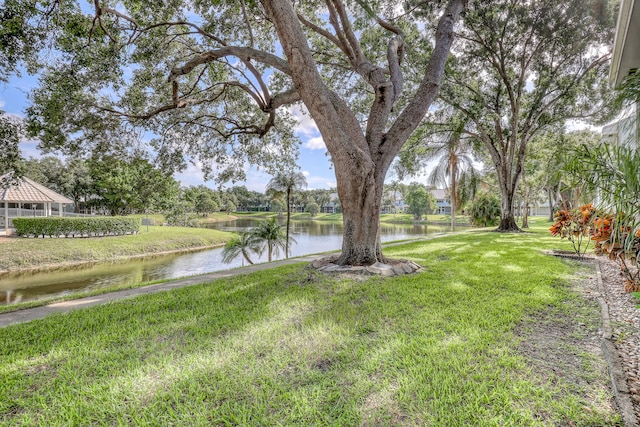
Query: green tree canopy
[522, 67]
[215, 81]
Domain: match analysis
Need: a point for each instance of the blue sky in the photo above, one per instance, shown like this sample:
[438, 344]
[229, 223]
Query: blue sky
[313, 162]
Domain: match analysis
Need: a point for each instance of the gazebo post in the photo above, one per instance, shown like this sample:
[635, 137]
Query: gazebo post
[6, 215]
[59, 209]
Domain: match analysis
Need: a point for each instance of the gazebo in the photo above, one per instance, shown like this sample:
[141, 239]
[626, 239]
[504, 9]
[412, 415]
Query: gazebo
[26, 196]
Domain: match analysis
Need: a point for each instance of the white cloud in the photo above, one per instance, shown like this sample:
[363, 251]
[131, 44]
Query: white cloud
[192, 175]
[316, 181]
[2, 103]
[316, 143]
[306, 173]
[306, 125]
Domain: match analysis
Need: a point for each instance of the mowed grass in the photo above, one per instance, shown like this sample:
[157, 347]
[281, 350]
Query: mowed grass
[291, 346]
[22, 253]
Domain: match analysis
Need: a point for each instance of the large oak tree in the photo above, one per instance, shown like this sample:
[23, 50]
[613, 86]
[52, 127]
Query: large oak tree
[215, 80]
[523, 67]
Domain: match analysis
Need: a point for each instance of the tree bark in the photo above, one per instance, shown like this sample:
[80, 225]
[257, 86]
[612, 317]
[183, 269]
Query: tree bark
[525, 213]
[550, 196]
[286, 246]
[452, 196]
[507, 220]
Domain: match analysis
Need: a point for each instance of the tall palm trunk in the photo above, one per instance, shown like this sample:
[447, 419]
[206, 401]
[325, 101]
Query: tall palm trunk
[454, 191]
[286, 250]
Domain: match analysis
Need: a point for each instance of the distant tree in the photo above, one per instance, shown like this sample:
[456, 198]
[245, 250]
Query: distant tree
[321, 196]
[241, 244]
[313, 208]
[228, 202]
[420, 201]
[122, 186]
[77, 184]
[271, 234]
[46, 171]
[286, 184]
[11, 129]
[485, 210]
[522, 67]
[243, 197]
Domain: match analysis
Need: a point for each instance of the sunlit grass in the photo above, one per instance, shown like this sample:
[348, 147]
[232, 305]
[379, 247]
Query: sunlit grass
[22, 253]
[291, 346]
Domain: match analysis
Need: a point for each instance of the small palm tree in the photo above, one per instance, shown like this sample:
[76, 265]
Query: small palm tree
[242, 243]
[456, 161]
[272, 234]
[286, 184]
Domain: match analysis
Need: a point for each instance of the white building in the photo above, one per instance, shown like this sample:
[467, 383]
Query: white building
[25, 197]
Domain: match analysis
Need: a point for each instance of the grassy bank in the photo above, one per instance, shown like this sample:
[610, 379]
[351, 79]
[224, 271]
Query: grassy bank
[386, 218]
[289, 346]
[18, 253]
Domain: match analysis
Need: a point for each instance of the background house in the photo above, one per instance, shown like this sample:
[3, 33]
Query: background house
[25, 197]
[443, 202]
[625, 61]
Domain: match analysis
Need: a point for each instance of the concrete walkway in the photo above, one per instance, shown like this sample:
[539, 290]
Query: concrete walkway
[35, 313]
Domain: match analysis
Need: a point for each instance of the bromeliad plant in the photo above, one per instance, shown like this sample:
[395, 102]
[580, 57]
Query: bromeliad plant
[575, 226]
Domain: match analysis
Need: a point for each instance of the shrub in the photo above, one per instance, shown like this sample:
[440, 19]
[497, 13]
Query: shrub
[72, 227]
[574, 226]
[484, 210]
[616, 239]
[313, 209]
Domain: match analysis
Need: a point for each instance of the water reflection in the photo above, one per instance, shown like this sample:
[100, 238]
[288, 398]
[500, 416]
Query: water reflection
[311, 237]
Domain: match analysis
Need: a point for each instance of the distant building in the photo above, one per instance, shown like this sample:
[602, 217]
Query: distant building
[625, 61]
[443, 201]
[22, 197]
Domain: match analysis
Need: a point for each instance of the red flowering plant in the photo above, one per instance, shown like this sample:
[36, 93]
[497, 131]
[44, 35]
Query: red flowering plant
[575, 226]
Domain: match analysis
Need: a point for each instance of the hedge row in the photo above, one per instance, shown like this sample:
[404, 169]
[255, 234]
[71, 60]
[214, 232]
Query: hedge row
[75, 227]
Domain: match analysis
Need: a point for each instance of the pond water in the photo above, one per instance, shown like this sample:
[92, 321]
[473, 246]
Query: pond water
[311, 237]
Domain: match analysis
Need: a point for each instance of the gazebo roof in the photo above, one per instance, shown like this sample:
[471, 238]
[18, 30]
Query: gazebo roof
[29, 191]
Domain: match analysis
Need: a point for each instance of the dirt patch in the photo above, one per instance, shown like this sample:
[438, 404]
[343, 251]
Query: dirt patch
[563, 344]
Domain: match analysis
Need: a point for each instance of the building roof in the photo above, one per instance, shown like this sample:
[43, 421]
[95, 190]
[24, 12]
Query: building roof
[440, 194]
[28, 191]
[626, 47]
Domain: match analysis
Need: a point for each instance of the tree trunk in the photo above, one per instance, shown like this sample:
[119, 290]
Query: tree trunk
[286, 250]
[361, 196]
[507, 219]
[549, 194]
[525, 214]
[452, 196]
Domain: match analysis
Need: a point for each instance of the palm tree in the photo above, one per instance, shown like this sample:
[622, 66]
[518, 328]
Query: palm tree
[286, 184]
[455, 154]
[242, 243]
[271, 233]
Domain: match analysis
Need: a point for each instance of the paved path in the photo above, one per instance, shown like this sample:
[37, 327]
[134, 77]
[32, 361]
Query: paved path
[30, 314]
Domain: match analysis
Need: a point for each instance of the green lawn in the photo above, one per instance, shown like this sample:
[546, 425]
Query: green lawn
[19, 253]
[291, 346]
[388, 218]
